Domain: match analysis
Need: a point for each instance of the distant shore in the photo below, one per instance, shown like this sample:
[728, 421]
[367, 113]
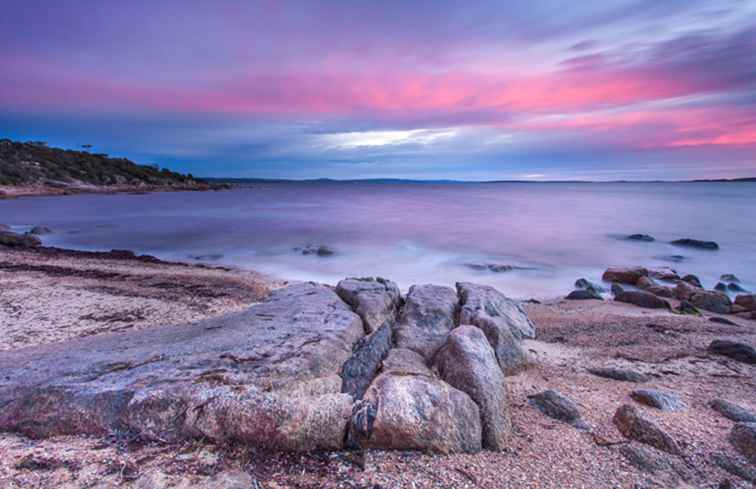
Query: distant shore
[13, 192]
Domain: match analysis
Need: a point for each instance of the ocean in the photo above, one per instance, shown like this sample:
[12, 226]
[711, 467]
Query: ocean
[530, 240]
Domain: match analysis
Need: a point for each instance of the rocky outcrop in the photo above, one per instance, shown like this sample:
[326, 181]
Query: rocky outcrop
[666, 401]
[556, 405]
[14, 240]
[747, 302]
[413, 412]
[376, 300]
[732, 411]
[426, 320]
[619, 374]
[484, 306]
[636, 427]
[740, 352]
[696, 243]
[642, 299]
[468, 363]
[629, 276]
[743, 438]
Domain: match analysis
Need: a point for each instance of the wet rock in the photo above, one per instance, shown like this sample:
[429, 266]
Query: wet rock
[743, 438]
[401, 361]
[361, 368]
[494, 267]
[720, 287]
[686, 307]
[627, 276]
[317, 250]
[636, 427]
[15, 240]
[428, 316]
[733, 287]
[159, 382]
[692, 280]
[468, 363]
[740, 352]
[732, 411]
[664, 273]
[617, 289]
[642, 299]
[583, 283]
[584, 294]
[376, 300]
[619, 374]
[696, 243]
[39, 230]
[666, 401]
[640, 237]
[419, 413]
[729, 278]
[556, 405]
[484, 306]
[748, 302]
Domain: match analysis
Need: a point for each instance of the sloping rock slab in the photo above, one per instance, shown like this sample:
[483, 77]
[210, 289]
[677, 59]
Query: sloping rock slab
[484, 306]
[426, 319]
[468, 363]
[417, 413]
[376, 300]
[402, 361]
[636, 427]
[148, 381]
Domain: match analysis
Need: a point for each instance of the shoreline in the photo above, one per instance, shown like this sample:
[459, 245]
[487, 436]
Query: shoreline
[110, 293]
[15, 192]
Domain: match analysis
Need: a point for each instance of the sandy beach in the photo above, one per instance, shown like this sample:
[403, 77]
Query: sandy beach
[50, 295]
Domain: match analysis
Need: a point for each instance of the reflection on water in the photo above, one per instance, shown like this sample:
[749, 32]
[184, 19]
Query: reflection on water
[413, 233]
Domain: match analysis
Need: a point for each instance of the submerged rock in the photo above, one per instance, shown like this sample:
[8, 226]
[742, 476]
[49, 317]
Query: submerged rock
[318, 250]
[737, 351]
[696, 243]
[468, 363]
[672, 258]
[427, 318]
[617, 289]
[666, 401]
[640, 237]
[556, 405]
[720, 287]
[484, 306]
[376, 300]
[627, 276]
[494, 267]
[619, 374]
[636, 427]
[733, 411]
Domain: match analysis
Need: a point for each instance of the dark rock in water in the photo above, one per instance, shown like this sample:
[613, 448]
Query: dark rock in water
[735, 288]
[720, 287]
[361, 368]
[15, 240]
[584, 294]
[686, 307]
[318, 250]
[647, 459]
[627, 276]
[39, 230]
[696, 243]
[693, 280]
[583, 283]
[729, 278]
[636, 427]
[617, 289]
[733, 349]
[428, 316]
[743, 438]
[401, 361]
[494, 267]
[619, 374]
[468, 363]
[719, 320]
[733, 467]
[206, 257]
[484, 306]
[640, 237]
[642, 299]
[709, 300]
[666, 401]
[556, 405]
[732, 411]
[376, 300]
[414, 412]
[672, 258]
[746, 301]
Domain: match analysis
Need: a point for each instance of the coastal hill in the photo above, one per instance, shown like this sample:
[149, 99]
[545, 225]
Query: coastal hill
[33, 167]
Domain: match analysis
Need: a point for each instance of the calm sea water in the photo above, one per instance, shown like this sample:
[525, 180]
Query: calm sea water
[419, 233]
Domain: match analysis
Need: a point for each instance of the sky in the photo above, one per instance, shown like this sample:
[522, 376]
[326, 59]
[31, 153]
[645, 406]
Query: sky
[523, 89]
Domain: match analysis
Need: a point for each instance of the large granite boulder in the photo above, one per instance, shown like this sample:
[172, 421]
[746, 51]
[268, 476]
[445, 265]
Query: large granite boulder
[624, 275]
[268, 376]
[415, 412]
[376, 300]
[15, 240]
[636, 427]
[487, 308]
[468, 363]
[746, 301]
[429, 314]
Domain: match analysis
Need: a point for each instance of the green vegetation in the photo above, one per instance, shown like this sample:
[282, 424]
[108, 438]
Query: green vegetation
[34, 163]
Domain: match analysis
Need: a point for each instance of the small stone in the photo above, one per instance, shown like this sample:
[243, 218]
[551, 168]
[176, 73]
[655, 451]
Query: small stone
[666, 401]
[692, 280]
[556, 405]
[634, 426]
[732, 411]
[619, 374]
[740, 352]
